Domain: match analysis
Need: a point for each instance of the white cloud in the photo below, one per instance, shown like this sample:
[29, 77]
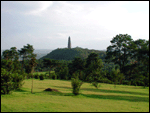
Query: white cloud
[90, 21]
[41, 6]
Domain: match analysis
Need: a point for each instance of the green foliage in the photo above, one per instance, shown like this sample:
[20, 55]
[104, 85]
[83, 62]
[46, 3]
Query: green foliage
[10, 81]
[118, 52]
[62, 72]
[7, 64]
[76, 84]
[117, 76]
[6, 82]
[70, 54]
[53, 76]
[132, 57]
[77, 64]
[41, 76]
[36, 76]
[93, 68]
[29, 75]
[96, 84]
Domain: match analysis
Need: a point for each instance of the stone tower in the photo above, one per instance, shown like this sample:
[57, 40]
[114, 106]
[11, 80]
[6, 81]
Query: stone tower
[69, 43]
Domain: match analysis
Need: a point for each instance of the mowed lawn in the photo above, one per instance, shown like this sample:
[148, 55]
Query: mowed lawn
[106, 98]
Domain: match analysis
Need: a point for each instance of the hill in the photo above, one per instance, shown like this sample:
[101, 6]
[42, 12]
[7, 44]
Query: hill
[41, 52]
[69, 54]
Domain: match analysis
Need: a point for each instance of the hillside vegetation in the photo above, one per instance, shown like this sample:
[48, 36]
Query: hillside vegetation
[70, 54]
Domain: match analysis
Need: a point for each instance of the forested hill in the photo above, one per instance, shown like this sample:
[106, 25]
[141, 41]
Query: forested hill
[69, 54]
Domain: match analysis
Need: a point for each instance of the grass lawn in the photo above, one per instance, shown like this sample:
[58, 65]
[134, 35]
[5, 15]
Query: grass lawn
[106, 98]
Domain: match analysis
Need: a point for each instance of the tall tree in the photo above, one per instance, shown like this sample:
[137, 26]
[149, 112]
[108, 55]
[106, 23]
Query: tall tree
[93, 66]
[32, 64]
[6, 54]
[26, 53]
[49, 63]
[77, 64]
[119, 52]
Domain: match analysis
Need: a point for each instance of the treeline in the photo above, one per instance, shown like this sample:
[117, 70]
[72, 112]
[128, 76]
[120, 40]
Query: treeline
[125, 62]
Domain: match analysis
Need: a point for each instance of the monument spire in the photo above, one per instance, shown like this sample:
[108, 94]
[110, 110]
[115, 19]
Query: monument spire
[69, 43]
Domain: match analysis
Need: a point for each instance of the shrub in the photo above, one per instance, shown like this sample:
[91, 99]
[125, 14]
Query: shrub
[10, 81]
[41, 77]
[76, 84]
[46, 75]
[17, 80]
[62, 73]
[96, 84]
[53, 76]
[29, 75]
[36, 76]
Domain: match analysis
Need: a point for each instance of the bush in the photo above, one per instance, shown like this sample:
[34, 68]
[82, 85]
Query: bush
[36, 76]
[46, 75]
[76, 84]
[41, 77]
[10, 81]
[29, 75]
[53, 76]
[96, 84]
[105, 80]
[17, 80]
[62, 73]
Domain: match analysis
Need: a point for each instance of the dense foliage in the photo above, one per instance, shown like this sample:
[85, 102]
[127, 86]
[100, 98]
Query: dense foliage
[10, 81]
[132, 58]
[13, 71]
[70, 54]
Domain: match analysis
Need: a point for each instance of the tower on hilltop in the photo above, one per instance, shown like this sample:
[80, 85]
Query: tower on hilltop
[69, 43]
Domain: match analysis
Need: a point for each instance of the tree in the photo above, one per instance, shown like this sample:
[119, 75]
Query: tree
[32, 64]
[62, 71]
[9, 60]
[26, 53]
[49, 63]
[5, 54]
[93, 65]
[119, 52]
[76, 84]
[77, 64]
[117, 76]
[138, 68]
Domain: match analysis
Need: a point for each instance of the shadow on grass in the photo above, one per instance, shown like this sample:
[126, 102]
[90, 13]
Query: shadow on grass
[56, 93]
[106, 91]
[63, 87]
[114, 91]
[113, 97]
[21, 90]
[116, 97]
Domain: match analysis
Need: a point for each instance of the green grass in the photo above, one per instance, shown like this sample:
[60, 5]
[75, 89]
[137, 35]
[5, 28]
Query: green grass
[106, 98]
[43, 72]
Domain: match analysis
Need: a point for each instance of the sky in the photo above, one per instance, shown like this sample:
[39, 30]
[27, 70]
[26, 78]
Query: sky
[90, 24]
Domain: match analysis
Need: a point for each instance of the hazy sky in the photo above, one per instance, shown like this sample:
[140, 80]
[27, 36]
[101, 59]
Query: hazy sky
[90, 24]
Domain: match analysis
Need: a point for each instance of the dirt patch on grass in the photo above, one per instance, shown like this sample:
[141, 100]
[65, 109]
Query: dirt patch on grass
[50, 89]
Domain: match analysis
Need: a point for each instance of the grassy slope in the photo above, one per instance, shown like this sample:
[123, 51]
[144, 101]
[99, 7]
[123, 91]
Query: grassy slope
[105, 99]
